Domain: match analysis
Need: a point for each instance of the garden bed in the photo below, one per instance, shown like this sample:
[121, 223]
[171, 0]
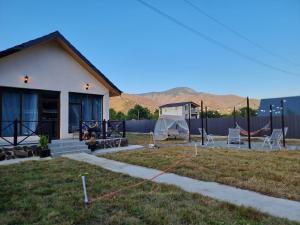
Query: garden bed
[7, 153]
[109, 143]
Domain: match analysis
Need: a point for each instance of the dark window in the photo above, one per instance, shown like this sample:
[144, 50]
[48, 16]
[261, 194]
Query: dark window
[84, 107]
[19, 105]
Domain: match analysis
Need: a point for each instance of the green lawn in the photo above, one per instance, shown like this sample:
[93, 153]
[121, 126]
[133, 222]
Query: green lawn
[272, 173]
[144, 139]
[49, 192]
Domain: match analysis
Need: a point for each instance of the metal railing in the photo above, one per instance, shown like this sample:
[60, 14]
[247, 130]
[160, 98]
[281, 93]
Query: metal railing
[102, 129]
[18, 128]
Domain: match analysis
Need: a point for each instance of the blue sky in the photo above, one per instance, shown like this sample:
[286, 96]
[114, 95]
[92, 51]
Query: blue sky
[141, 51]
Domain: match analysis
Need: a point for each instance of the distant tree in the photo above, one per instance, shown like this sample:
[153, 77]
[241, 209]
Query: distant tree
[242, 112]
[138, 112]
[112, 114]
[121, 116]
[213, 114]
[155, 115]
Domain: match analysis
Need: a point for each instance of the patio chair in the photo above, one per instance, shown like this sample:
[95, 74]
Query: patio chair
[275, 139]
[234, 136]
[208, 138]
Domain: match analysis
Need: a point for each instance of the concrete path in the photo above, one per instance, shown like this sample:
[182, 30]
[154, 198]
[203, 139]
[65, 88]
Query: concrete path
[274, 206]
[19, 160]
[118, 149]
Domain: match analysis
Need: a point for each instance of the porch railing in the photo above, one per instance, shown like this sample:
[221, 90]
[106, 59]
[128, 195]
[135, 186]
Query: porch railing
[102, 129]
[45, 127]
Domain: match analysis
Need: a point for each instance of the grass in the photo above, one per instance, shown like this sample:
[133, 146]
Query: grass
[49, 192]
[272, 173]
[144, 139]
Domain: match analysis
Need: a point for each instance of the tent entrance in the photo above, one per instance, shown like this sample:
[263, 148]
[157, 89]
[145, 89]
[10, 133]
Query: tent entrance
[171, 127]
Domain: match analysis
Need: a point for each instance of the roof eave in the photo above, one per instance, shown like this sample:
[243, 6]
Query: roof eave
[113, 90]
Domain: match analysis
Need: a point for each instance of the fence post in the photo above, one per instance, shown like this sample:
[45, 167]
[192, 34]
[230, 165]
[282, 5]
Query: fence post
[15, 132]
[202, 128]
[282, 123]
[80, 130]
[234, 117]
[50, 131]
[190, 121]
[124, 128]
[104, 129]
[206, 120]
[248, 123]
[271, 119]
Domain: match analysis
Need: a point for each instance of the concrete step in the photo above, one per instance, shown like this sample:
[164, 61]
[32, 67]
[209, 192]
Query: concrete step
[67, 143]
[56, 154]
[67, 148]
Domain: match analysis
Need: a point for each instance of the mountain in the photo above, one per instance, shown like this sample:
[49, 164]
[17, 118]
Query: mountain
[153, 100]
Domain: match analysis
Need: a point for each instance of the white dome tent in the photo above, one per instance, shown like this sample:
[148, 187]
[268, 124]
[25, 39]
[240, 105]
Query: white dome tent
[170, 126]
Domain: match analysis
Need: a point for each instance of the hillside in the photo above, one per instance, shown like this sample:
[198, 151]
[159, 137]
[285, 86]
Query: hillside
[153, 100]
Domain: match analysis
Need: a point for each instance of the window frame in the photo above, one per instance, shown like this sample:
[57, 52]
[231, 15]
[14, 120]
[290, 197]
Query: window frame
[81, 95]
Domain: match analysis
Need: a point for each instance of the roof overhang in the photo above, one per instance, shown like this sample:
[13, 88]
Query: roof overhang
[68, 47]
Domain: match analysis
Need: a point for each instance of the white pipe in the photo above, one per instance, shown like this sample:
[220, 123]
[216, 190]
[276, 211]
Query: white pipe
[86, 200]
[196, 149]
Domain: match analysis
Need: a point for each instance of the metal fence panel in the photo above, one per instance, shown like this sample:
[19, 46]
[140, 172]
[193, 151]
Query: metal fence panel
[220, 126]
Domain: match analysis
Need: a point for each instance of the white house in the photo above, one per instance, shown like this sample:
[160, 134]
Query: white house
[186, 109]
[48, 79]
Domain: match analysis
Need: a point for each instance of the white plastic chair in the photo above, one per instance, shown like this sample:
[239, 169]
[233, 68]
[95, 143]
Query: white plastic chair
[275, 139]
[208, 138]
[234, 136]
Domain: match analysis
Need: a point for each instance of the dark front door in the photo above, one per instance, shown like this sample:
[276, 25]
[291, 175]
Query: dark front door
[49, 103]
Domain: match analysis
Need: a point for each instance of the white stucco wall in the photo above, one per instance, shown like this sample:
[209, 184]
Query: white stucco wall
[172, 111]
[49, 67]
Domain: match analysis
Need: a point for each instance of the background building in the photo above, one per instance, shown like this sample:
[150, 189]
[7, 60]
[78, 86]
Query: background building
[180, 109]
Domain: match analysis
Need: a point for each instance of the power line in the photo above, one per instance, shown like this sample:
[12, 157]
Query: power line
[214, 41]
[237, 33]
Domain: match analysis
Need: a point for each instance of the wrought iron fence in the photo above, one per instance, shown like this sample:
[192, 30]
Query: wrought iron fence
[17, 131]
[101, 129]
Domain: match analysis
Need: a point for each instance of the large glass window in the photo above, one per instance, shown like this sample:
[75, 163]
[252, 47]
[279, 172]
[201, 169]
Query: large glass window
[85, 107]
[20, 106]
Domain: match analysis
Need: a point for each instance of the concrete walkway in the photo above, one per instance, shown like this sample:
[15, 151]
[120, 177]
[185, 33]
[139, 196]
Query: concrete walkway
[118, 149]
[273, 206]
[19, 160]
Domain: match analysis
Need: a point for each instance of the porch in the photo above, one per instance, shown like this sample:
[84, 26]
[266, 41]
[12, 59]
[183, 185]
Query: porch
[101, 130]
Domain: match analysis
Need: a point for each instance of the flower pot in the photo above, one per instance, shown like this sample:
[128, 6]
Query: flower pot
[45, 153]
[93, 147]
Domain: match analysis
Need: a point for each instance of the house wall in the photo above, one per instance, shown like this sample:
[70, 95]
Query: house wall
[180, 111]
[173, 111]
[49, 67]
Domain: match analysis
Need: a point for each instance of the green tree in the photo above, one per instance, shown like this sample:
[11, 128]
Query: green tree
[213, 114]
[112, 114]
[242, 112]
[155, 115]
[121, 116]
[138, 112]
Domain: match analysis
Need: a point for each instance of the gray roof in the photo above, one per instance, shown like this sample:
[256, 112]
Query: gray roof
[53, 36]
[179, 104]
[291, 106]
